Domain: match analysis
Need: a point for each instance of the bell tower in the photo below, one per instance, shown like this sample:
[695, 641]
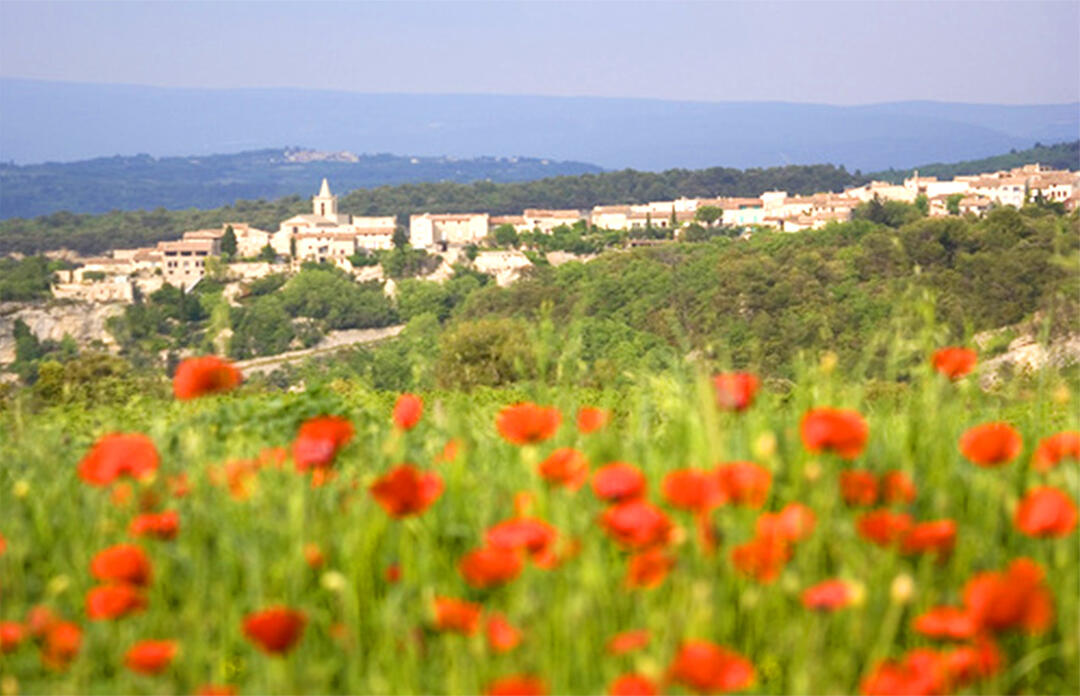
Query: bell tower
[325, 204]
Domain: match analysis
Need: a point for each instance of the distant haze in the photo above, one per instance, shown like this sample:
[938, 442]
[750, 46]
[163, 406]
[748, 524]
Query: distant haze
[41, 121]
[1020, 52]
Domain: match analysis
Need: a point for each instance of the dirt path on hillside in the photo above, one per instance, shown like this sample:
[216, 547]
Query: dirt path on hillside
[334, 341]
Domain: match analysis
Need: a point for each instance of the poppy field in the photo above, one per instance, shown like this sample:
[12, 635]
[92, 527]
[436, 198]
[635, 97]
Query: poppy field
[690, 533]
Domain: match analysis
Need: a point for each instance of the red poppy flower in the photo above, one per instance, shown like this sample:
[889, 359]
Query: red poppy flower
[793, 523]
[501, 634]
[1053, 449]
[921, 673]
[393, 573]
[124, 564]
[897, 487]
[1046, 512]
[628, 641]
[565, 467]
[647, 569]
[1015, 599]
[735, 390]
[272, 457]
[216, 690]
[525, 534]
[744, 483]
[858, 487]
[318, 441]
[449, 451]
[693, 489]
[618, 481]
[114, 601]
[62, 643]
[209, 374]
[710, 669]
[883, 527]
[636, 524]
[762, 558]
[178, 485]
[990, 444]
[954, 362]
[275, 630]
[490, 566]
[632, 685]
[151, 656]
[836, 430]
[456, 615]
[517, 685]
[828, 595]
[314, 556]
[938, 536]
[946, 622]
[407, 411]
[3, 544]
[527, 423]
[405, 491]
[40, 620]
[163, 525]
[967, 664]
[119, 454]
[12, 634]
[239, 477]
[590, 419]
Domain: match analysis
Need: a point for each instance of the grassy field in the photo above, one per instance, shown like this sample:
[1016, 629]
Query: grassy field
[245, 547]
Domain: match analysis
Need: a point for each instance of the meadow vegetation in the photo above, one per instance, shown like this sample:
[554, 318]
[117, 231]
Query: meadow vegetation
[317, 528]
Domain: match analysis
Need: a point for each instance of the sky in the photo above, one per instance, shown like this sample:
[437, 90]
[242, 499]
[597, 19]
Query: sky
[836, 53]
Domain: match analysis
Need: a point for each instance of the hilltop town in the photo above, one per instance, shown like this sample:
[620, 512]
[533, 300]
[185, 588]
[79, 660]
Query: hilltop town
[326, 235]
[324, 274]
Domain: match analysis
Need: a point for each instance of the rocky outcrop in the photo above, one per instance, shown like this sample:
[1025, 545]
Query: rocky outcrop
[83, 321]
[1026, 355]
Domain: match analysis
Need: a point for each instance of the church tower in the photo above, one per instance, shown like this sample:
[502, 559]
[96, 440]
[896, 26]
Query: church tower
[325, 204]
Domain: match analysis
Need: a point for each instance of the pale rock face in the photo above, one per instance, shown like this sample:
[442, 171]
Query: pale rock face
[1026, 355]
[84, 321]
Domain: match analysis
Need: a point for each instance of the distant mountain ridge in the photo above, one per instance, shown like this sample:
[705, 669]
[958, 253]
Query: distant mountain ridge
[41, 121]
[1059, 156]
[93, 233]
[145, 182]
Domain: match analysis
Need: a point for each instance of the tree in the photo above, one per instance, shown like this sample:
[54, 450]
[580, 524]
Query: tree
[885, 212]
[267, 254]
[506, 235]
[401, 237]
[709, 214]
[488, 352]
[923, 204]
[264, 329]
[694, 233]
[216, 269]
[952, 203]
[228, 242]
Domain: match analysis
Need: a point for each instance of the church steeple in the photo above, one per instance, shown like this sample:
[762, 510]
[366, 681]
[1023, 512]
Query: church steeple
[325, 204]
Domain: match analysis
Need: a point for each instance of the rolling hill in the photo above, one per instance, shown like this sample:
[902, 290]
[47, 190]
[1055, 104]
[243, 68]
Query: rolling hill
[43, 121]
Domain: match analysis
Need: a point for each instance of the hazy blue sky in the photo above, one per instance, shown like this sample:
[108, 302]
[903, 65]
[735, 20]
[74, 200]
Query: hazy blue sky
[840, 53]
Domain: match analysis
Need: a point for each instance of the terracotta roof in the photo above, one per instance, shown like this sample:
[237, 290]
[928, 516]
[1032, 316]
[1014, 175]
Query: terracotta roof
[561, 214]
[187, 245]
[449, 217]
[205, 234]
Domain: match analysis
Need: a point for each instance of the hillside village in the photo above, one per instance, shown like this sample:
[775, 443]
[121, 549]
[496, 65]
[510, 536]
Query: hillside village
[327, 235]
